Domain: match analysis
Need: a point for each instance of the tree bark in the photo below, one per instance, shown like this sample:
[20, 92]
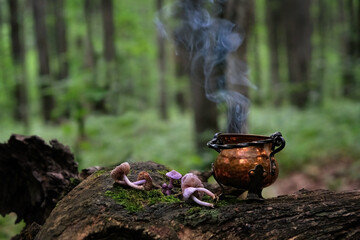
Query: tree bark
[162, 68]
[58, 45]
[109, 102]
[47, 98]
[34, 176]
[275, 23]
[240, 12]
[298, 29]
[18, 55]
[352, 50]
[87, 212]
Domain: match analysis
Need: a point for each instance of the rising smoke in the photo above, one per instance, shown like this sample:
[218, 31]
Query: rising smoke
[209, 40]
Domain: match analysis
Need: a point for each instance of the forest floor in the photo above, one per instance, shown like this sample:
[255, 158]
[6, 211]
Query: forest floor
[338, 175]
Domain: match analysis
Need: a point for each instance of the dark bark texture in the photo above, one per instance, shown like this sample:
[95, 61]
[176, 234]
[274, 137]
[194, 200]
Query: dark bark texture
[88, 213]
[34, 176]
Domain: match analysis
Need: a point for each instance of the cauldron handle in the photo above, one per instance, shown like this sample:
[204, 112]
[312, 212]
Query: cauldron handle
[213, 142]
[277, 146]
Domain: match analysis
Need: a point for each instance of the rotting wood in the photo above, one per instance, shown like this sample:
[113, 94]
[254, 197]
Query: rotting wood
[34, 176]
[88, 212]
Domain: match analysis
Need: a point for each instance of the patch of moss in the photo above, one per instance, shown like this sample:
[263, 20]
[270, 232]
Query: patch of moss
[194, 210]
[228, 200]
[135, 200]
[197, 215]
[162, 173]
[99, 173]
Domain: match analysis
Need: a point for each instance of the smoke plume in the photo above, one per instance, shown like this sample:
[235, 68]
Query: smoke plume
[209, 40]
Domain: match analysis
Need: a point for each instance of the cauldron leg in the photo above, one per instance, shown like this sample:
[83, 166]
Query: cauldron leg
[221, 186]
[255, 187]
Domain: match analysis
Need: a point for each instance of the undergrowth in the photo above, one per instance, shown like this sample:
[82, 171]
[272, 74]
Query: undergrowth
[314, 135]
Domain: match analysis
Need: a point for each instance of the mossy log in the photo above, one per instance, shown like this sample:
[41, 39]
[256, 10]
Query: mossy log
[96, 209]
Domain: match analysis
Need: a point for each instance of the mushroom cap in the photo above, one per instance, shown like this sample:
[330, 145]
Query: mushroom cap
[190, 180]
[174, 175]
[148, 185]
[121, 170]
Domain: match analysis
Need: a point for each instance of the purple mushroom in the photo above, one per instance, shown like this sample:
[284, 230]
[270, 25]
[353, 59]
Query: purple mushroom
[173, 175]
[119, 174]
[193, 188]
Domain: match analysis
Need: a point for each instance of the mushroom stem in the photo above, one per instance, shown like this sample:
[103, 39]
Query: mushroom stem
[130, 184]
[171, 184]
[202, 203]
[204, 190]
[139, 182]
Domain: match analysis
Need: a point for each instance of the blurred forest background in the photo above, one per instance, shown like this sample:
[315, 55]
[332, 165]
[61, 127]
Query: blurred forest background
[97, 76]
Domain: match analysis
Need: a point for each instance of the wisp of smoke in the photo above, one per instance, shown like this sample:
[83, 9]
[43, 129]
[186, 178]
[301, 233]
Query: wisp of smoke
[209, 41]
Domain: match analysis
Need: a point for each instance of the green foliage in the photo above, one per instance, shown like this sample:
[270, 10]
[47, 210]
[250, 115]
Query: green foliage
[314, 135]
[135, 200]
[7, 227]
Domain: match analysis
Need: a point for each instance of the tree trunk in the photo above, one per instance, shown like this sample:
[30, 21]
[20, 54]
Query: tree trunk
[162, 68]
[47, 98]
[275, 23]
[108, 27]
[298, 29]
[205, 113]
[18, 55]
[240, 12]
[111, 86]
[352, 50]
[92, 210]
[90, 60]
[60, 34]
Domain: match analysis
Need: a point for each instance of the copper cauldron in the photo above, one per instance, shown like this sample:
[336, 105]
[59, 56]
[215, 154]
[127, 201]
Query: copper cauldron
[246, 161]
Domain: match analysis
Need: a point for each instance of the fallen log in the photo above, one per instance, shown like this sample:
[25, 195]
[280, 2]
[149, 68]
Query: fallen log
[99, 209]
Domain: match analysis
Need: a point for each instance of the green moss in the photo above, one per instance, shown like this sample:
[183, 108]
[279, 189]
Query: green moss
[227, 200]
[197, 215]
[162, 173]
[135, 200]
[194, 210]
[99, 173]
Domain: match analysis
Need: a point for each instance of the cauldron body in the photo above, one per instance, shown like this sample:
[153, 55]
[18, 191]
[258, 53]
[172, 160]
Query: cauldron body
[246, 161]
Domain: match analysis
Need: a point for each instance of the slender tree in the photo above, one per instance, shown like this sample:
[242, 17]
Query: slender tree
[275, 25]
[109, 54]
[47, 98]
[242, 14]
[18, 55]
[162, 67]
[205, 111]
[58, 46]
[298, 29]
[90, 60]
[352, 50]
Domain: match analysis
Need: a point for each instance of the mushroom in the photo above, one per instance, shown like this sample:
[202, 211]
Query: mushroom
[119, 175]
[145, 176]
[193, 188]
[173, 175]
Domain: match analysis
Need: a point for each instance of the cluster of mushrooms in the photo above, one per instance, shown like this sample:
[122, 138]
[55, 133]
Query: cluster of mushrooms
[191, 186]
